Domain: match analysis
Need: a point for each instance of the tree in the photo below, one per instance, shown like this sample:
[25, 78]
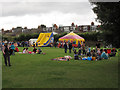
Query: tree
[25, 27]
[92, 23]
[55, 26]
[109, 17]
[43, 26]
[39, 27]
[72, 24]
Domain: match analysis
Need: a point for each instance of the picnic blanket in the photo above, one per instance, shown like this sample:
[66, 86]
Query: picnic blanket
[65, 58]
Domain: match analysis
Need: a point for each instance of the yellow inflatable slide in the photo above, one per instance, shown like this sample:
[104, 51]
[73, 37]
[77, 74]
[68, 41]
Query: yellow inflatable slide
[44, 39]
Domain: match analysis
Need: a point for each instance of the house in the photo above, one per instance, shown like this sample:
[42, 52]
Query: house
[66, 28]
[17, 30]
[49, 29]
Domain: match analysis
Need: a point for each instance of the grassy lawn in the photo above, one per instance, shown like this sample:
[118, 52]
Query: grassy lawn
[39, 71]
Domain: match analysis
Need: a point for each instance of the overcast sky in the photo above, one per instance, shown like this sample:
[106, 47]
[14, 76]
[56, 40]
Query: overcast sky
[31, 14]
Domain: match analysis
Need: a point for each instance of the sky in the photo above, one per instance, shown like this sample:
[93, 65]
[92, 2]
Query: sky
[31, 13]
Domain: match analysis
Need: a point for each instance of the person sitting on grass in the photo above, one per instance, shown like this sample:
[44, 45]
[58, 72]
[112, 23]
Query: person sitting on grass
[34, 50]
[76, 55]
[16, 49]
[93, 54]
[104, 55]
[113, 52]
[98, 54]
[39, 51]
[89, 57]
[24, 50]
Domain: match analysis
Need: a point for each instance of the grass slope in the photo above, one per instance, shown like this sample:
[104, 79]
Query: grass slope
[39, 71]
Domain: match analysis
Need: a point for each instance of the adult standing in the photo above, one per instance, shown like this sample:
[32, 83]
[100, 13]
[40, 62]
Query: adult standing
[65, 47]
[83, 47]
[79, 45]
[13, 48]
[70, 47]
[6, 54]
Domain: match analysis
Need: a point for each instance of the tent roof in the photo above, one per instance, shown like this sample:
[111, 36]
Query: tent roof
[54, 33]
[71, 36]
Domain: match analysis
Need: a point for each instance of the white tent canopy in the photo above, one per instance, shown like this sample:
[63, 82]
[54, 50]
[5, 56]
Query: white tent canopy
[54, 33]
[32, 40]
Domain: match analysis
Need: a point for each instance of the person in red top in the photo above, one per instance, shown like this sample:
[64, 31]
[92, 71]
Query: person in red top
[16, 49]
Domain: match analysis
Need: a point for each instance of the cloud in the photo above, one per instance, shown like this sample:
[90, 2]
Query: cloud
[32, 14]
[32, 21]
[19, 9]
[43, 1]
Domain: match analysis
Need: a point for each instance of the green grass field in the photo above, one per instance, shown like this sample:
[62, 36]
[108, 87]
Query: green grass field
[39, 71]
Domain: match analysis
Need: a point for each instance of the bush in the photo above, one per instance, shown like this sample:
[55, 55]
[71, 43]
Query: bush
[26, 37]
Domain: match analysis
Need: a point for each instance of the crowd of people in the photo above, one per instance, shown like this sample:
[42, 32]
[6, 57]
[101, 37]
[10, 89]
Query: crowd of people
[87, 53]
[26, 51]
[20, 44]
[9, 48]
[82, 53]
[94, 54]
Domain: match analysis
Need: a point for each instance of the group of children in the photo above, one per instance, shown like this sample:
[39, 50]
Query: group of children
[38, 51]
[93, 54]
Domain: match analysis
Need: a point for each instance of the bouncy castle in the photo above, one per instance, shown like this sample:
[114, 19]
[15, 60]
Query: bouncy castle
[44, 39]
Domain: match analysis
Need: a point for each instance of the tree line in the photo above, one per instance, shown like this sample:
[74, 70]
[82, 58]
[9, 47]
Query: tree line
[94, 36]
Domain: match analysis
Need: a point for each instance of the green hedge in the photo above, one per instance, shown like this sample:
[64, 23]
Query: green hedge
[87, 36]
[26, 37]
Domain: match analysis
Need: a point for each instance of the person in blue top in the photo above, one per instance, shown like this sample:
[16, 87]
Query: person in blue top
[13, 48]
[104, 55]
[89, 50]
[3, 43]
